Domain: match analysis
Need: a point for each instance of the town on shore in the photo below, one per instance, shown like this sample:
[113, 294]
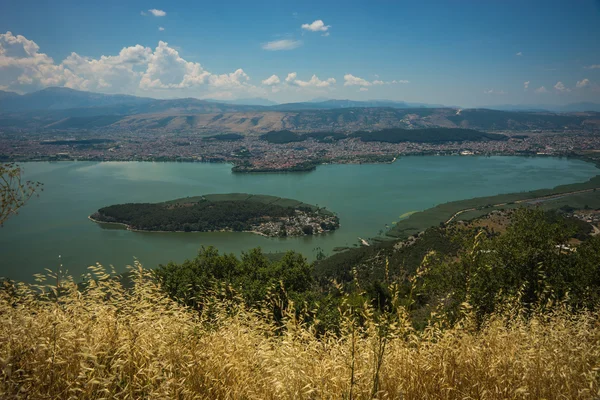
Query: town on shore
[250, 153]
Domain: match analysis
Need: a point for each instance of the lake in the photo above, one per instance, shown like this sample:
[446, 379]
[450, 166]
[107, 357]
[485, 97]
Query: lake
[366, 197]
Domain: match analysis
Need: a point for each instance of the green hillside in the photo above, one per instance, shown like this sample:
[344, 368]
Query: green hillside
[422, 220]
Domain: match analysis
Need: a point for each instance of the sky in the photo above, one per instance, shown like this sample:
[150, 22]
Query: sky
[456, 53]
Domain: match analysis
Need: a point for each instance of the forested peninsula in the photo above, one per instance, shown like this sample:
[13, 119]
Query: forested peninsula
[265, 215]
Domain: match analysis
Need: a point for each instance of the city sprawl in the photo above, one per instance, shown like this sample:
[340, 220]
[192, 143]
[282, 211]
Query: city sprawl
[253, 153]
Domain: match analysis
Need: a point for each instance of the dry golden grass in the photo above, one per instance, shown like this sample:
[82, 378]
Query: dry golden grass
[108, 342]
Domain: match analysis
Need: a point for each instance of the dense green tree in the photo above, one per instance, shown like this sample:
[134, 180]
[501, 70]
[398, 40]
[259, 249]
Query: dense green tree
[253, 275]
[307, 229]
[427, 135]
[203, 215]
[200, 215]
[530, 264]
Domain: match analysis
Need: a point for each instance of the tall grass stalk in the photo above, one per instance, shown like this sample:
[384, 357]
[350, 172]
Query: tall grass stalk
[102, 340]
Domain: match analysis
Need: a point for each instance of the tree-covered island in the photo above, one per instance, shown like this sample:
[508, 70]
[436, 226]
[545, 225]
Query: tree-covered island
[265, 215]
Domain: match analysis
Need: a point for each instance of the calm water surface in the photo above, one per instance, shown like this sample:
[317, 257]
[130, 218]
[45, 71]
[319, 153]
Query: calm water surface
[366, 198]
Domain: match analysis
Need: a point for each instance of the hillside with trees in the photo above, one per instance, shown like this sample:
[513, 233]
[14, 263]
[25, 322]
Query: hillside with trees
[285, 136]
[428, 135]
[266, 215]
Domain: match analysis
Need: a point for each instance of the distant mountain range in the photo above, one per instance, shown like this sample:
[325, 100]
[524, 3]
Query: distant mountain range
[64, 102]
[254, 101]
[572, 107]
[62, 108]
[333, 104]
[60, 98]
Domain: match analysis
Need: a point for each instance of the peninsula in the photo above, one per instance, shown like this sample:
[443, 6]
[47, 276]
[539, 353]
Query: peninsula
[240, 212]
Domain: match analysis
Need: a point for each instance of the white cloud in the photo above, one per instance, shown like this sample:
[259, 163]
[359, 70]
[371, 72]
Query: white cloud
[235, 79]
[492, 91]
[363, 89]
[595, 66]
[22, 65]
[291, 82]
[316, 26]
[325, 34]
[561, 87]
[526, 85]
[160, 28]
[583, 83]
[157, 13]
[271, 81]
[17, 51]
[541, 89]
[159, 72]
[121, 71]
[134, 70]
[520, 53]
[167, 70]
[351, 80]
[283, 44]
[314, 82]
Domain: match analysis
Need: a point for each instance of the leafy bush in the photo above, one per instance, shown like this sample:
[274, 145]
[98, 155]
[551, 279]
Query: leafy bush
[252, 275]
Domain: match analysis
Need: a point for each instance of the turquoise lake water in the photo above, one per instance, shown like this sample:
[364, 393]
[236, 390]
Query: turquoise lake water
[366, 198]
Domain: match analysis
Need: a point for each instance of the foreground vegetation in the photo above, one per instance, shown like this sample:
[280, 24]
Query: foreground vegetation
[14, 190]
[461, 311]
[60, 341]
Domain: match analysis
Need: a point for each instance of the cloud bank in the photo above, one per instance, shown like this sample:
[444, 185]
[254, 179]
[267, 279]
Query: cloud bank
[160, 72]
[351, 80]
[136, 69]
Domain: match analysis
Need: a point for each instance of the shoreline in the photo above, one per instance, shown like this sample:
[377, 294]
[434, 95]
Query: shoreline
[419, 221]
[581, 157]
[128, 228]
[532, 199]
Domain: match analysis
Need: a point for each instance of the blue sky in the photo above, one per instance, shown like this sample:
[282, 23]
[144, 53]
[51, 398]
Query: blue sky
[467, 53]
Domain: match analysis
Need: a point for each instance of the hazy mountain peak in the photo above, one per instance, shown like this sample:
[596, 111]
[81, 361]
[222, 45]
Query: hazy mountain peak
[252, 101]
[5, 94]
